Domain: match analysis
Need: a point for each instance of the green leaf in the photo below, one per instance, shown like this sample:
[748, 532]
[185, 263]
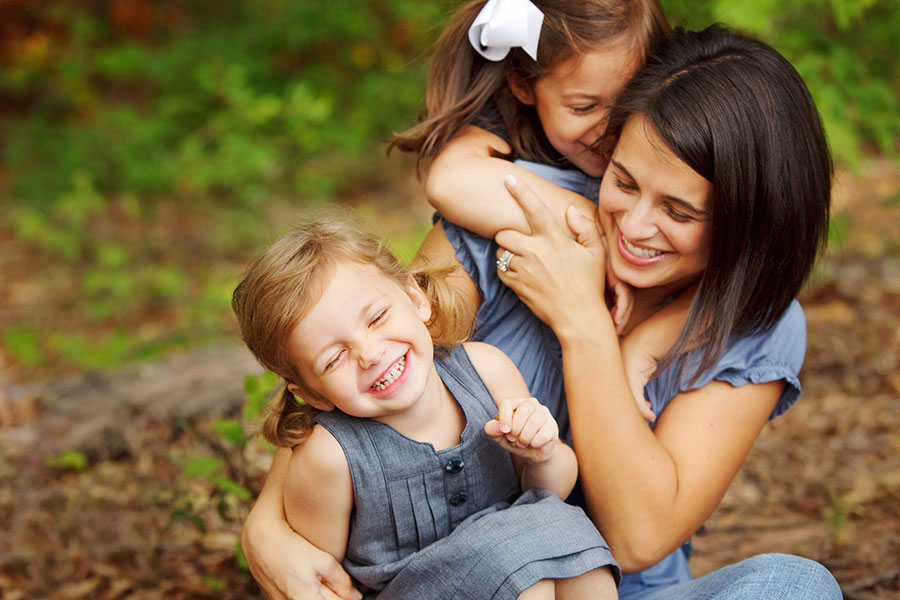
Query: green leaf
[231, 431]
[203, 466]
[230, 486]
[68, 460]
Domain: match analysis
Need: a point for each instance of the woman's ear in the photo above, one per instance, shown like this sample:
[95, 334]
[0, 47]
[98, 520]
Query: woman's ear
[419, 299]
[311, 399]
[520, 88]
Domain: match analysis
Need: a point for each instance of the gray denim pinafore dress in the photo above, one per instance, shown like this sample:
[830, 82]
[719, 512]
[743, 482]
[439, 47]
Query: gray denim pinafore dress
[452, 523]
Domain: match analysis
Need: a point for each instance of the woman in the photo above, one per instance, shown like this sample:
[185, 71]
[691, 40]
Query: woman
[717, 198]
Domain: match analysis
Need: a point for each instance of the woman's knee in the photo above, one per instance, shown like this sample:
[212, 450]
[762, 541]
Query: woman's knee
[785, 576]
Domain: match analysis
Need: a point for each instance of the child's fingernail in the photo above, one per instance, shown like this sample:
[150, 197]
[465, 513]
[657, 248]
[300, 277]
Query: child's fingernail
[505, 428]
[511, 180]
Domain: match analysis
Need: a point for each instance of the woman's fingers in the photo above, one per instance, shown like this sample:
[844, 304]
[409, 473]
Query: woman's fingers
[536, 212]
[586, 230]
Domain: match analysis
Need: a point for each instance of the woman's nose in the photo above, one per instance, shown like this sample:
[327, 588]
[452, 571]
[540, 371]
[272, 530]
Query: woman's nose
[637, 222]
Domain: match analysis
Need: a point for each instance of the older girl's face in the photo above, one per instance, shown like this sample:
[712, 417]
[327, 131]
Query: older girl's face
[659, 211]
[573, 102]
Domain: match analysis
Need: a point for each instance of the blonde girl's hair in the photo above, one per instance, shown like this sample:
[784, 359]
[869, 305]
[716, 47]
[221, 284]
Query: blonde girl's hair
[461, 83]
[288, 278]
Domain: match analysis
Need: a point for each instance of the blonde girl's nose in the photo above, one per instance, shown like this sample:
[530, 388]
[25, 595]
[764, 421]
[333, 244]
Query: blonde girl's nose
[370, 351]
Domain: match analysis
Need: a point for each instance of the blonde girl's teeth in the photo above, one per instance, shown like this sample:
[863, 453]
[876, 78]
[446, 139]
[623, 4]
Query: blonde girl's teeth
[391, 375]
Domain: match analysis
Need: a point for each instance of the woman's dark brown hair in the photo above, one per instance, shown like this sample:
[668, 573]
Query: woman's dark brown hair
[739, 114]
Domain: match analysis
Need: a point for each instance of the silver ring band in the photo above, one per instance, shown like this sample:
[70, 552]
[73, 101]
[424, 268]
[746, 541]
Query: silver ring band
[503, 261]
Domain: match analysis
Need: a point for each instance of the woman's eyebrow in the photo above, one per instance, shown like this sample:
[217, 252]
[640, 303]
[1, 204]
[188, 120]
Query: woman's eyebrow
[687, 205]
[674, 199]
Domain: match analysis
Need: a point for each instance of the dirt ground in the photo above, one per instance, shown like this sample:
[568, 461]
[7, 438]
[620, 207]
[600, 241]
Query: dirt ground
[823, 481]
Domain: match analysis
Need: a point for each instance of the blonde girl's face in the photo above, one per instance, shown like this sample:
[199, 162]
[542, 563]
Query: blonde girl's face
[660, 229]
[573, 102]
[364, 347]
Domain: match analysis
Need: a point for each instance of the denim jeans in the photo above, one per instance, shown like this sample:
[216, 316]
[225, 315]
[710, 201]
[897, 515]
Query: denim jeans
[775, 576]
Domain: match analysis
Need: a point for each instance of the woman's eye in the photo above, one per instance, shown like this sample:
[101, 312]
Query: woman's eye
[677, 216]
[585, 108]
[625, 186]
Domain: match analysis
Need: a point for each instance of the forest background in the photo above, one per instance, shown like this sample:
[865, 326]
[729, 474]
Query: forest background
[149, 148]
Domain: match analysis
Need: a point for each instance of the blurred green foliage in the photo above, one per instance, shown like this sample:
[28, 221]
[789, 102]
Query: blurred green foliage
[113, 111]
[846, 51]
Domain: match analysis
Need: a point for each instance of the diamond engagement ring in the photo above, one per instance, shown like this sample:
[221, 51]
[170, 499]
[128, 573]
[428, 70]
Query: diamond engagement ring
[503, 261]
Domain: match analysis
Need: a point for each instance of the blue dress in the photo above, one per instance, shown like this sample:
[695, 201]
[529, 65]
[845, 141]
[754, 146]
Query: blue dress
[504, 321]
[453, 523]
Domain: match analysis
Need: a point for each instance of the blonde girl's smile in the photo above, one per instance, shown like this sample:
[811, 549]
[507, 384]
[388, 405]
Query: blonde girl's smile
[368, 354]
[393, 377]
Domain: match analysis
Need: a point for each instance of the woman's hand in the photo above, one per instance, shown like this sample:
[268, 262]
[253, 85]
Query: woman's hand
[560, 275]
[287, 567]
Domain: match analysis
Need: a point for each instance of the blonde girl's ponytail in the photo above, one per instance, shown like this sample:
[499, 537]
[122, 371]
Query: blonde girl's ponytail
[288, 420]
[451, 318]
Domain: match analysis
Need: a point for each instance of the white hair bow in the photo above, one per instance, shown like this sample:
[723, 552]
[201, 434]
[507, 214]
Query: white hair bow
[505, 24]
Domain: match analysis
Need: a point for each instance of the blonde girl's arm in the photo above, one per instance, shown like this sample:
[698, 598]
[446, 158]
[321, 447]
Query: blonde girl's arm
[318, 492]
[531, 435]
[285, 565]
[465, 184]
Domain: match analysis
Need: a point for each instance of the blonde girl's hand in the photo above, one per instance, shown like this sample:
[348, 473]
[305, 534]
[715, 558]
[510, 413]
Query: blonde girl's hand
[287, 567]
[560, 275]
[525, 428]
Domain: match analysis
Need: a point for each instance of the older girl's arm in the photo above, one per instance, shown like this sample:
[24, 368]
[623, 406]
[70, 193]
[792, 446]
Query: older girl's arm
[465, 184]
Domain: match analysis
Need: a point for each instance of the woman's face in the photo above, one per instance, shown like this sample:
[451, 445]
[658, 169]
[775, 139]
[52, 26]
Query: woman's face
[659, 211]
[573, 102]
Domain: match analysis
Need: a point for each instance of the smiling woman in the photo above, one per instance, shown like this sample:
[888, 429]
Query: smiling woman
[659, 210]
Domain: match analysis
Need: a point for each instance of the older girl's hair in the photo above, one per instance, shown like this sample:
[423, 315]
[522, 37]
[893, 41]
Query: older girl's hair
[461, 83]
[288, 278]
[737, 112]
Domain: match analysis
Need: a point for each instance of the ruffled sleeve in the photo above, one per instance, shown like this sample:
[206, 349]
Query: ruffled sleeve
[775, 355]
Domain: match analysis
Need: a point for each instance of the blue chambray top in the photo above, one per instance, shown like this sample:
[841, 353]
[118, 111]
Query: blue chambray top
[504, 321]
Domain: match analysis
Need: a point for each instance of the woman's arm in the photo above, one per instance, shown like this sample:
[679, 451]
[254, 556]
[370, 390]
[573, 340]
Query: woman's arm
[647, 490]
[284, 564]
[465, 184]
[523, 426]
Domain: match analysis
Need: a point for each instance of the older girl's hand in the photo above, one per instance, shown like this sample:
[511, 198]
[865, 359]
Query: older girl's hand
[287, 567]
[560, 275]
